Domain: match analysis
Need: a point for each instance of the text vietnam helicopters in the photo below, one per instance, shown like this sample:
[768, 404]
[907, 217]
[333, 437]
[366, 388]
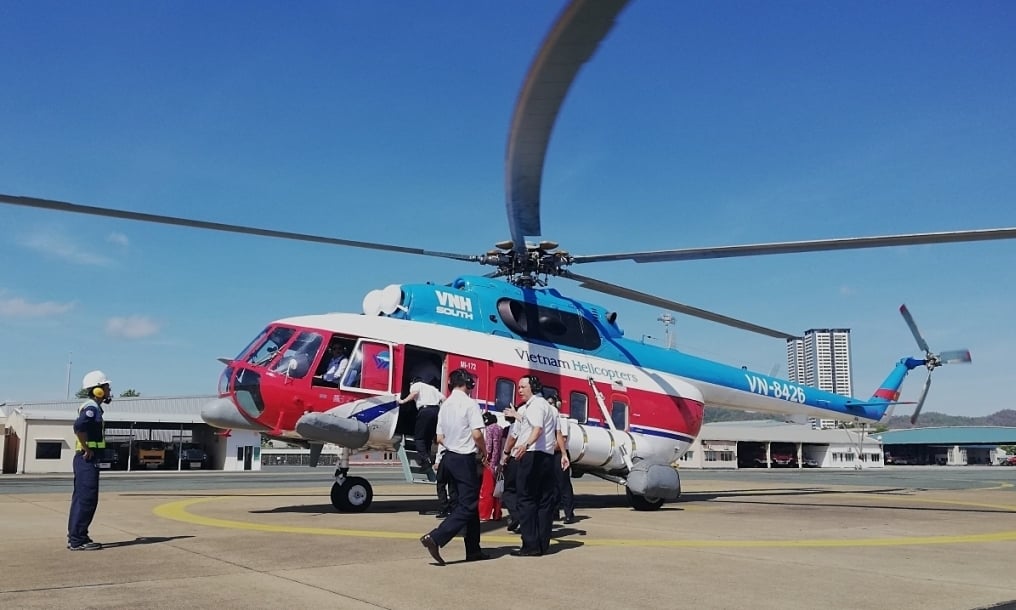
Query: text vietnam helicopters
[542, 342]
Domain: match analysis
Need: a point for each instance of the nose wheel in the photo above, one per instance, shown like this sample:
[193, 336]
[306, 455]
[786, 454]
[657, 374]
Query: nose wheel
[352, 495]
[643, 502]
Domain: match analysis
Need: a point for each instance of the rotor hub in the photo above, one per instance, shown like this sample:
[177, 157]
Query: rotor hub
[530, 267]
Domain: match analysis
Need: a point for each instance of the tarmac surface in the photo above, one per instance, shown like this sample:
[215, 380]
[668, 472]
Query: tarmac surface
[905, 537]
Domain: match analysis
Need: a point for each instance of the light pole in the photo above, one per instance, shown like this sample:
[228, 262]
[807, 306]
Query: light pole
[667, 320]
[69, 375]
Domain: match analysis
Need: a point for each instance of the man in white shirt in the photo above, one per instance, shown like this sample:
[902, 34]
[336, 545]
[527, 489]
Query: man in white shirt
[532, 445]
[460, 430]
[428, 398]
[565, 493]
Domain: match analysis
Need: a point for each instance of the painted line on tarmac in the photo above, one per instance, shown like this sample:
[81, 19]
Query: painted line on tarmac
[179, 511]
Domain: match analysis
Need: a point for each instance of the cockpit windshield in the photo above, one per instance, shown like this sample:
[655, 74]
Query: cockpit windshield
[298, 357]
[266, 346]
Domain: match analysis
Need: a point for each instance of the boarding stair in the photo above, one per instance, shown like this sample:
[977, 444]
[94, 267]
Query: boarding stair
[413, 472]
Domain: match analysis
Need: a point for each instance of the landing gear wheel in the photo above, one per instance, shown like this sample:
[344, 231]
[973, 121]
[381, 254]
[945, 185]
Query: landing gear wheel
[642, 502]
[353, 495]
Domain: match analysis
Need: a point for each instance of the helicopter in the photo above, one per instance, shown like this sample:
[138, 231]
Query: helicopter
[633, 408]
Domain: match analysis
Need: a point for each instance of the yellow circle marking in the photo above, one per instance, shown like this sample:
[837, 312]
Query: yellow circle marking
[178, 511]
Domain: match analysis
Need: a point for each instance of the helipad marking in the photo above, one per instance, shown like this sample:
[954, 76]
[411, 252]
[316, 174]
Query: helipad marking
[178, 511]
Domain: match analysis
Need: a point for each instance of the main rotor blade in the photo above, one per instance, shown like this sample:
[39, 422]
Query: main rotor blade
[920, 401]
[921, 343]
[62, 206]
[954, 356]
[815, 245]
[571, 42]
[648, 299]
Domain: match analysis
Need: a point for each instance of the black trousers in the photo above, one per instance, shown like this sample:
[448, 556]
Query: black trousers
[464, 471]
[510, 495]
[447, 493]
[566, 496]
[423, 436]
[537, 488]
[84, 500]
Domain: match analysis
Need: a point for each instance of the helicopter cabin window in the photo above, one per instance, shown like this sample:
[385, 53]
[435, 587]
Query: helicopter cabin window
[533, 321]
[370, 368]
[578, 407]
[619, 412]
[298, 358]
[504, 394]
[268, 345]
[334, 362]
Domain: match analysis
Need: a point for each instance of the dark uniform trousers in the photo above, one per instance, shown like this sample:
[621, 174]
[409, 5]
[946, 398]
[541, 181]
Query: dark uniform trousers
[464, 471]
[85, 498]
[424, 433]
[446, 491]
[537, 489]
[566, 496]
[510, 495]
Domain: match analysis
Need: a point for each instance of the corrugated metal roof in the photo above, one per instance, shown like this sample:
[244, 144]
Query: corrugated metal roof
[951, 435]
[780, 432]
[176, 409]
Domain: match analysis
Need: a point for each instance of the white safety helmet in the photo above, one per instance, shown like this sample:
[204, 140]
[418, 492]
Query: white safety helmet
[94, 379]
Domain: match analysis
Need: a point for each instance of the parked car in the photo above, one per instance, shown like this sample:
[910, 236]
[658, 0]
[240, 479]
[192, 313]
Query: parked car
[1008, 461]
[194, 456]
[109, 459]
[810, 462]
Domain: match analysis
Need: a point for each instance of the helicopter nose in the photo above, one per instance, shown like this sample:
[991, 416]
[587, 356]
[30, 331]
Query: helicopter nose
[223, 413]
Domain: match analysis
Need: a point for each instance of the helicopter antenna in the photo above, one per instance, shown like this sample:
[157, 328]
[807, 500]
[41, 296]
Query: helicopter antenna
[667, 320]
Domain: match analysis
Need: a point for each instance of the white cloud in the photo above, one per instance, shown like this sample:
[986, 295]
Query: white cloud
[131, 327]
[118, 239]
[63, 247]
[17, 307]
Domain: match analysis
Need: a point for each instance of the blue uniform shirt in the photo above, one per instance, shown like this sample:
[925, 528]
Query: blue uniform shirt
[90, 422]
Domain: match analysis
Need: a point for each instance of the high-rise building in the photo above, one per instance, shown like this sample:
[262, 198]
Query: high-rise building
[821, 359]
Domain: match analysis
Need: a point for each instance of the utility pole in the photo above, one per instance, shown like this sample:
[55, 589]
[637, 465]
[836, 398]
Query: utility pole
[667, 320]
[69, 375]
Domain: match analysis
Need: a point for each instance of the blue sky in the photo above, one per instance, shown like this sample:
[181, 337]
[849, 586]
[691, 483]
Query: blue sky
[696, 124]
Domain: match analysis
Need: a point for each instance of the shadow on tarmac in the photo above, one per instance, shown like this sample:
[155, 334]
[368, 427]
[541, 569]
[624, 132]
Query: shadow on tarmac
[142, 540]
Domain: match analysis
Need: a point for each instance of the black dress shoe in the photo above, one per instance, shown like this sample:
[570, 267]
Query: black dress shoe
[570, 520]
[513, 526]
[481, 556]
[524, 553]
[443, 514]
[433, 548]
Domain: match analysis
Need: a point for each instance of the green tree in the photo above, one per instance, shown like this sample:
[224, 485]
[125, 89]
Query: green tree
[130, 393]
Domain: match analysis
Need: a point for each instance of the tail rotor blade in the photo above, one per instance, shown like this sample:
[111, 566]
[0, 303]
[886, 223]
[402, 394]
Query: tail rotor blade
[913, 329]
[920, 401]
[955, 355]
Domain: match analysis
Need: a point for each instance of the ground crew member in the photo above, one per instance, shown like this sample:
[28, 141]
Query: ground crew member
[89, 430]
[532, 445]
[460, 430]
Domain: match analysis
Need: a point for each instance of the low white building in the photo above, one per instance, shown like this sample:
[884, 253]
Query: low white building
[38, 438]
[774, 444]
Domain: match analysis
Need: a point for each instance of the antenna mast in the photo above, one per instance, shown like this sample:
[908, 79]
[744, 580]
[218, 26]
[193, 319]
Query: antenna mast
[667, 320]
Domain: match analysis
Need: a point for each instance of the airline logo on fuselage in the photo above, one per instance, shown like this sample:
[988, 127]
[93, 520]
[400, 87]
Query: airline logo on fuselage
[454, 305]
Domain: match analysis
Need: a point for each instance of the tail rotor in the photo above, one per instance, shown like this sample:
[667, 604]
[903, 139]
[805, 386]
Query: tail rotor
[931, 360]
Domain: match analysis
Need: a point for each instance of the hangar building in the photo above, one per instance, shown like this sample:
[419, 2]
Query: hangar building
[775, 444]
[950, 445]
[141, 432]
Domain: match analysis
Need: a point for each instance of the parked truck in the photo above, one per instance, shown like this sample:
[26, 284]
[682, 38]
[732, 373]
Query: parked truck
[149, 454]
